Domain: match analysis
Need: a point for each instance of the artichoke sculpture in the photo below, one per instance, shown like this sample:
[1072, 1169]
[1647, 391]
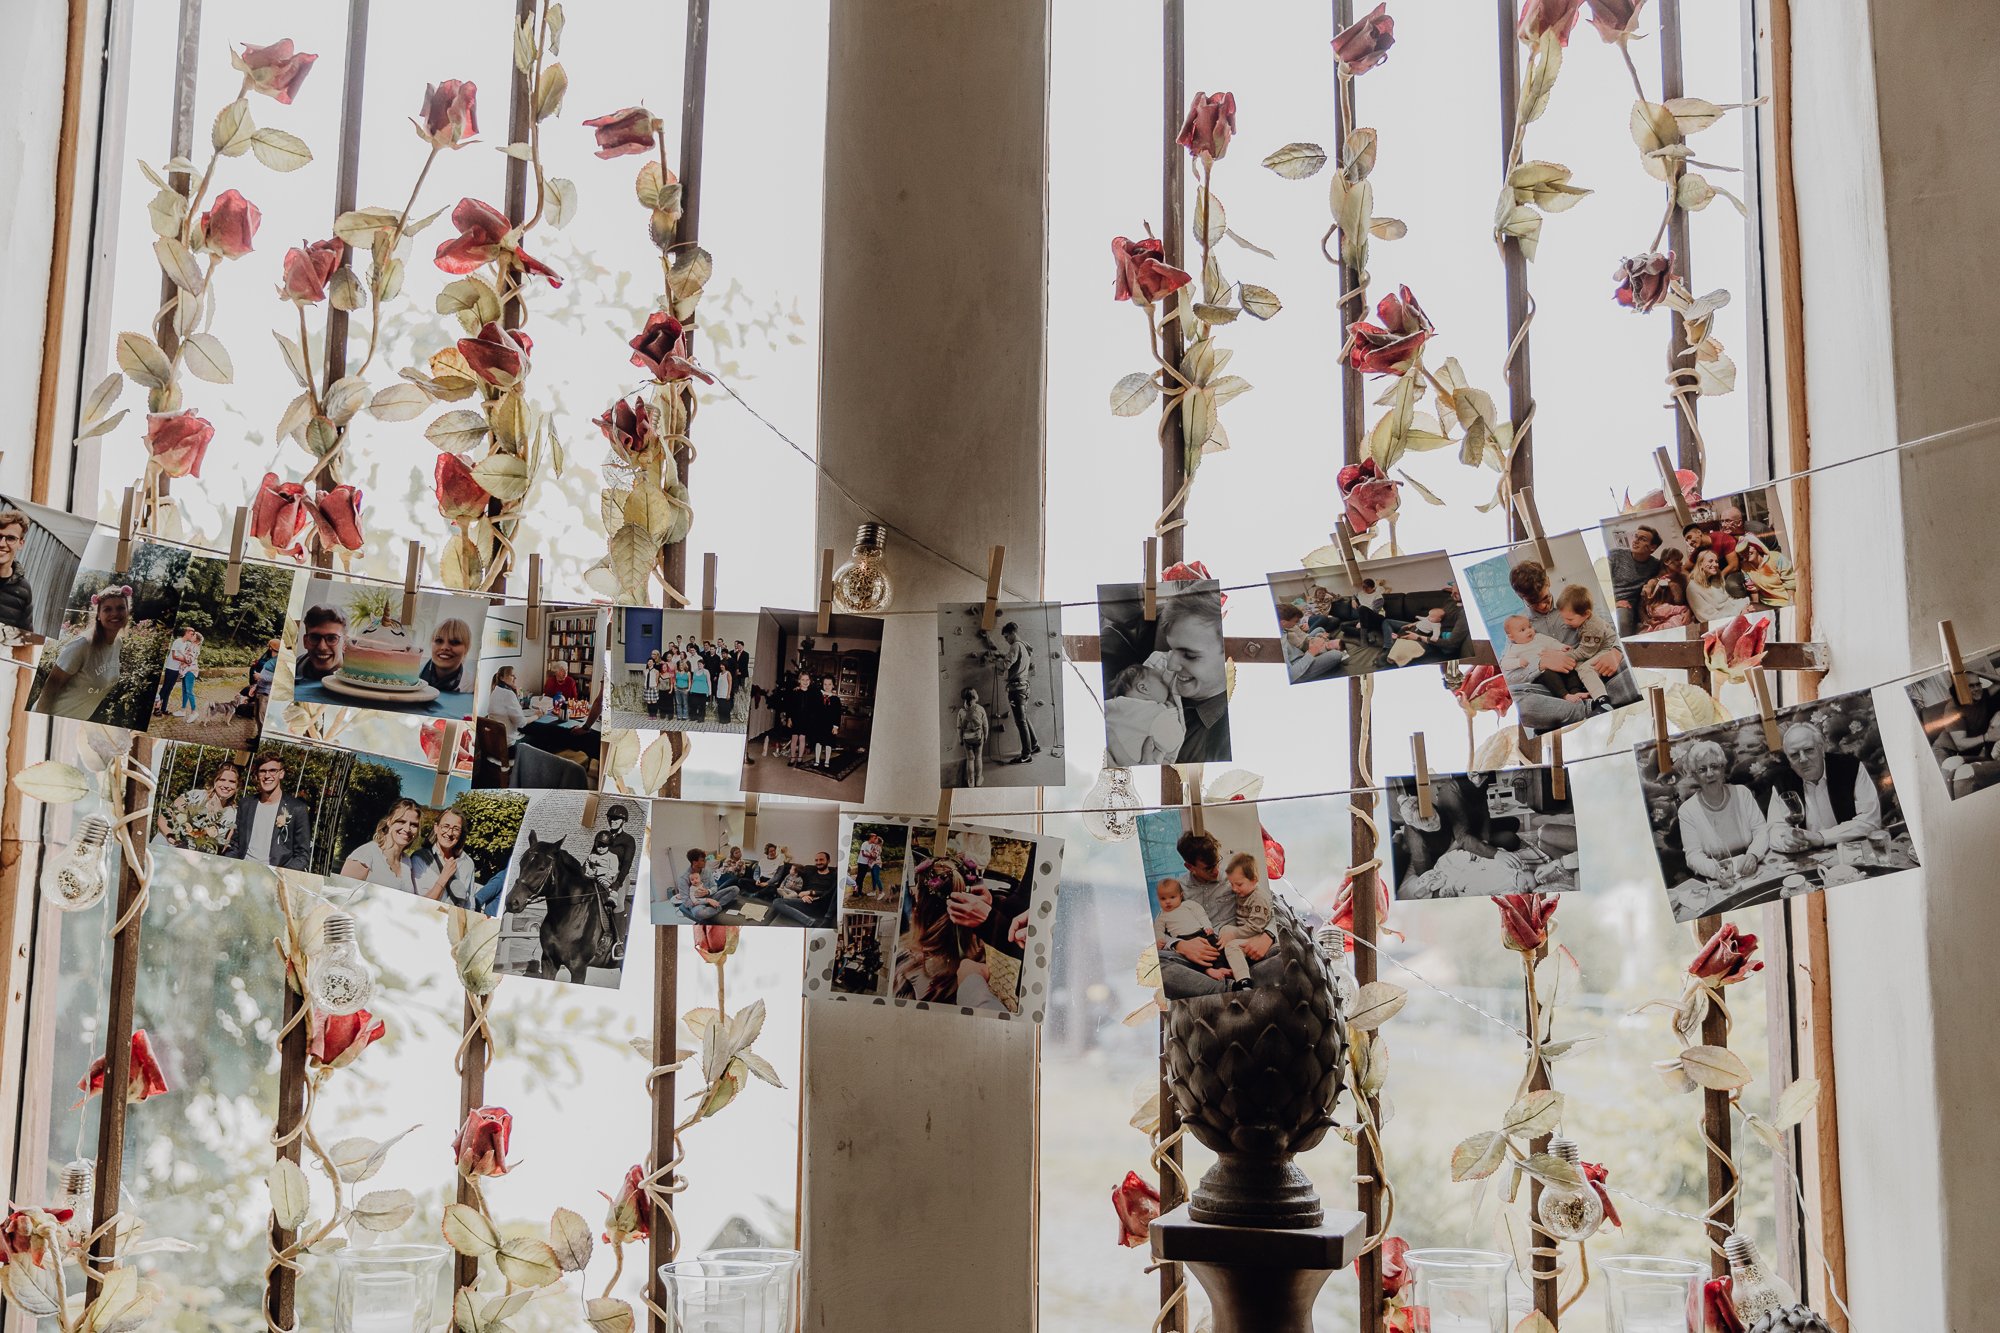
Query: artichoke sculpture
[1254, 1074]
[1792, 1319]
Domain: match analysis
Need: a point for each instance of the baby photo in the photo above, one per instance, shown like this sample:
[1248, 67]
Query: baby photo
[105, 663]
[222, 654]
[1964, 738]
[395, 834]
[1731, 558]
[664, 675]
[706, 872]
[567, 889]
[41, 550]
[812, 705]
[1000, 696]
[356, 652]
[1166, 680]
[1555, 642]
[1404, 612]
[877, 853]
[1495, 831]
[1211, 903]
[539, 699]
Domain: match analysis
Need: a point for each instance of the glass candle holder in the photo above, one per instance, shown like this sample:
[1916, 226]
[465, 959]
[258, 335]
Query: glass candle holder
[714, 1296]
[388, 1288]
[783, 1291]
[1464, 1291]
[1646, 1293]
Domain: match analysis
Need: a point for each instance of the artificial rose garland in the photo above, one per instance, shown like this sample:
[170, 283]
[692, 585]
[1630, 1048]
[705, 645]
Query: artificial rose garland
[1365, 43]
[144, 1081]
[1137, 1204]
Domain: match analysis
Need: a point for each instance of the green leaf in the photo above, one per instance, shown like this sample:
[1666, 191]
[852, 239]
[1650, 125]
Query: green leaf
[528, 1261]
[143, 362]
[206, 359]
[232, 130]
[569, 1240]
[1211, 219]
[279, 150]
[1716, 1068]
[344, 289]
[384, 1210]
[1479, 1155]
[1536, 1114]
[505, 476]
[549, 92]
[648, 182]
[632, 551]
[470, 294]
[1375, 1004]
[457, 430]
[291, 1198]
[1296, 161]
[472, 1313]
[1693, 114]
[762, 1068]
[344, 397]
[1543, 67]
[52, 782]
[466, 1231]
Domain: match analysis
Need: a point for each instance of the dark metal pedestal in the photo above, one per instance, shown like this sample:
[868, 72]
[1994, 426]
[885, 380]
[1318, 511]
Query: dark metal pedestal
[1259, 1279]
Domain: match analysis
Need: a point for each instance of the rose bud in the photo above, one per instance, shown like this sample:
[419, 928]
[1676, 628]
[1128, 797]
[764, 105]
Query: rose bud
[1737, 647]
[1524, 919]
[280, 513]
[1726, 958]
[230, 225]
[1615, 20]
[177, 441]
[29, 1234]
[662, 349]
[624, 132]
[1483, 689]
[1365, 43]
[1141, 274]
[1389, 347]
[1210, 123]
[339, 1039]
[337, 511]
[630, 1216]
[481, 1143]
[450, 116]
[495, 356]
[307, 271]
[483, 238]
[629, 427]
[1137, 1204]
[459, 494]
[1643, 280]
[1371, 496]
[144, 1081]
[275, 70]
[1540, 16]
[1718, 1308]
[715, 943]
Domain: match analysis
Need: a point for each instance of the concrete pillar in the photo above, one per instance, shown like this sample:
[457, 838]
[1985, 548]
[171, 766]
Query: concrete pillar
[1897, 203]
[919, 1134]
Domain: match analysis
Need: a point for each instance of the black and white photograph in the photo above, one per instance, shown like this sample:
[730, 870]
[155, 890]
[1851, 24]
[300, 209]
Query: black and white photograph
[222, 654]
[663, 674]
[1731, 558]
[706, 872]
[566, 904]
[1553, 634]
[1494, 831]
[1403, 612]
[1000, 693]
[1736, 823]
[356, 652]
[393, 832]
[41, 551]
[1210, 900]
[1964, 738]
[105, 665]
[812, 705]
[1166, 680]
[862, 950]
[281, 808]
[540, 700]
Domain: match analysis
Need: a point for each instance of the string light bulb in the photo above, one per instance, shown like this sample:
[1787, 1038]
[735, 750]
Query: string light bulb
[1569, 1212]
[75, 1190]
[1332, 942]
[338, 981]
[1756, 1290]
[75, 878]
[862, 584]
[1111, 807]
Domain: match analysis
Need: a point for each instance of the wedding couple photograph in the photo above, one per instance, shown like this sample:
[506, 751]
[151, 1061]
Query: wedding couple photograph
[282, 807]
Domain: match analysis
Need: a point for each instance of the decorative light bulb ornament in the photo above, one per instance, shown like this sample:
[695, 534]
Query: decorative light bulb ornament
[1332, 942]
[1569, 1212]
[1756, 1290]
[338, 982]
[75, 1191]
[1111, 808]
[862, 584]
[74, 879]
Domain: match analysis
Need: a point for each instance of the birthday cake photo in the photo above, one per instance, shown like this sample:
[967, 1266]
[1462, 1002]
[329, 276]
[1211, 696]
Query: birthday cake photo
[382, 657]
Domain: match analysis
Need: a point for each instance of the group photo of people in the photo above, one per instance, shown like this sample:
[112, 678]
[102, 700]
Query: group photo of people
[117, 625]
[1211, 904]
[707, 872]
[1000, 691]
[282, 808]
[969, 907]
[395, 835]
[1736, 822]
[567, 889]
[1558, 649]
[222, 654]
[812, 705]
[41, 551]
[1964, 737]
[1731, 558]
[540, 700]
[1166, 680]
[1496, 831]
[354, 651]
[665, 675]
[1402, 612]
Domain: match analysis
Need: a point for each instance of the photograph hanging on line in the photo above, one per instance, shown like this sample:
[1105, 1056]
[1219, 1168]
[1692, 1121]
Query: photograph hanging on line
[1210, 900]
[875, 865]
[113, 645]
[282, 808]
[812, 705]
[1166, 681]
[1737, 823]
[540, 699]
[222, 654]
[355, 651]
[1000, 693]
[1553, 634]
[393, 834]
[41, 551]
[1495, 831]
[663, 675]
[566, 903]
[705, 874]
[1964, 738]
[863, 947]
[1404, 612]
[1731, 558]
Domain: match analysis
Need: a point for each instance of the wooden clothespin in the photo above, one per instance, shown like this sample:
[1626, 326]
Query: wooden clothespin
[232, 574]
[1425, 805]
[1670, 486]
[1152, 589]
[1191, 778]
[826, 590]
[944, 809]
[749, 820]
[709, 561]
[1524, 505]
[996, 559]
[127, 516]
[1961, 684]
[1345, 536]
[411, 568]
[1660, 746]
[1760, 687]
[1558, 776]
[590, 809]
[534, 626]
[447, 755]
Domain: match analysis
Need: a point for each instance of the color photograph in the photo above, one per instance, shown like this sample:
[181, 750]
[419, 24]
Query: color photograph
[1494, 831]
[540, 699]
[116, 627]
[355, 651]
[976, 920]
[222, 654]
[281, 808]
[395, 835]
[1000, 693]
[1404, 612]
[567, 905]
[41, 551]
[812, 706]
[704, 873]
[861, 952]
[1731, 558]
[666, 676]
[1210, 901]
[1166, 680]
[1964, 738]
[877, 856]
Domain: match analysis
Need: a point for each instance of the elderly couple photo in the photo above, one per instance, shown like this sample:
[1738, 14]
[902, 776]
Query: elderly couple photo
[1166, 681]
[1211, 903]
[1736, 823]
[1560, 653]
[1403, 612]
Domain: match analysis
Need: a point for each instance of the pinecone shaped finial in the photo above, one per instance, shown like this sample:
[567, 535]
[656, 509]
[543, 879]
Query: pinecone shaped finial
[1792, 1319]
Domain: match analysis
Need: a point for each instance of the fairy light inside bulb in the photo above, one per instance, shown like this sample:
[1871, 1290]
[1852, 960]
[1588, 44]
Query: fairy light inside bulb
[1756, 1290]
[75, 1190]
[862, 584]
[1332, 941]
[338, 981]
[1569, 1212]
[76, 877]
[1111, 807]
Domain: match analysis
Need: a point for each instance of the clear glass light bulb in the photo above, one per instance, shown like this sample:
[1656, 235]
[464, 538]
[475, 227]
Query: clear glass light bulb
[75, 878]
[1569, 1212]
[1332, 942]
[75, 1191]
[1112, 805]
[338, 982]
[1756, 1290]
[862, 584]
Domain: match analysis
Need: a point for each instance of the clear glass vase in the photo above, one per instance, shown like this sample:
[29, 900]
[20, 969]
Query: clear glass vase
[1645, 1293]
[714, 1296]
[389, 1289]
[784, 1291]
[1464, 1291]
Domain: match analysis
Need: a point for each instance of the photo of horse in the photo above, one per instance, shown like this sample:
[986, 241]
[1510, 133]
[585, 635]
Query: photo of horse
[566, 903]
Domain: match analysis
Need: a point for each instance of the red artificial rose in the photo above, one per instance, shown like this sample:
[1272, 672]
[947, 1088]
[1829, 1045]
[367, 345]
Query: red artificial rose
[497, 356]
[1726, 958]
[337, 512]
[276, 70]
[481, 1142]
[1524, 919]
[1365, 43]
[1138, 1203]
[144, 1081]
[1371, 495]
[1210, 123]
[177, 441]
[1596, 1175]
[1484, 689]
[459, 494]
[624, 132]
[630, 1216]
[483, 237]
[280, 514]
[230, 225]
[29, 1233]
[629, 427]
[1643, 280]
[1388, 348]
[1540, 16]
[1737, 647]
[715, 943]
[1396, 1274]
[1341, 912]
[308, 270]
[1141, 274]
[1718, 1308]
[339, 1039]
[1615, 20]
[1688, 481]
[661, 349]
[450, 113]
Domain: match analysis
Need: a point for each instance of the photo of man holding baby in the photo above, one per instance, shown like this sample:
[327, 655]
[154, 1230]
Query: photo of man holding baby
[1559, 651]
[1166, 694]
